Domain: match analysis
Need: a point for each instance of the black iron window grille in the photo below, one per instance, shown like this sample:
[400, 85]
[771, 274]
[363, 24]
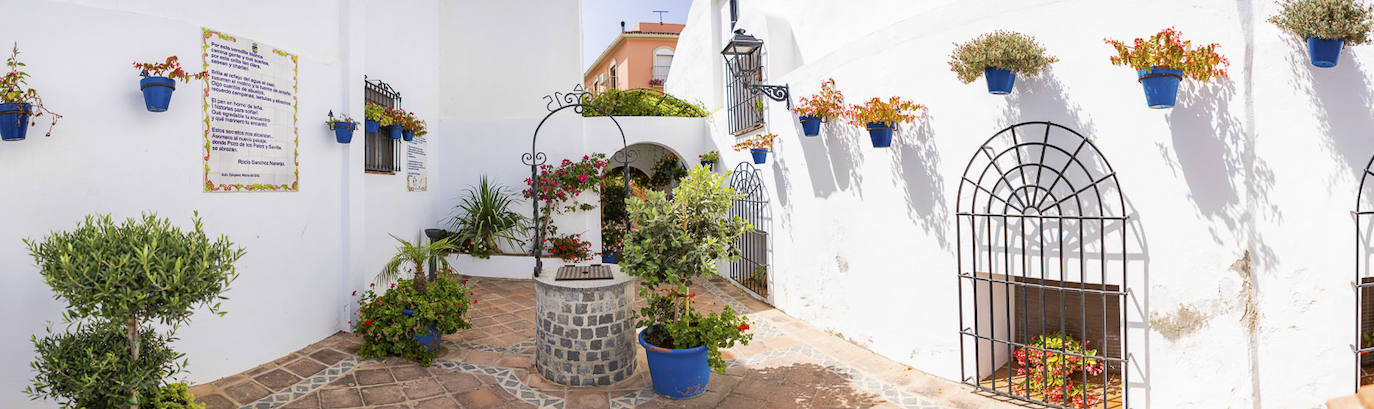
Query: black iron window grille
[746, 106]
[751, 270]
[1042, 236]
[381, 153]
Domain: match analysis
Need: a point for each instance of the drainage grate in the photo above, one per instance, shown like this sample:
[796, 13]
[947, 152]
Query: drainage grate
[592, 272]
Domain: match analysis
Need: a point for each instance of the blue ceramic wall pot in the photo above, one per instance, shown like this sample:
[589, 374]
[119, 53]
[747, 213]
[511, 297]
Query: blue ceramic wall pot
[1161, 86]
[881, 133]
[811, 125]
[1324, 53]
[14, 120]
[760, 155]
[1000, 81]
[157, 92]
[373, 126]
[395, 131]
[343, 131]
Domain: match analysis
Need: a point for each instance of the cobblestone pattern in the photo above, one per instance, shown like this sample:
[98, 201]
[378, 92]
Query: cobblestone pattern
[522, 346]
[585, 337]
[305, 386]
[508, 380]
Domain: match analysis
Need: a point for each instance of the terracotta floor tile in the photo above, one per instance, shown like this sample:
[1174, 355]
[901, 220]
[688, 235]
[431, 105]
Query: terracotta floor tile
[479, 399]
[340, 398]
[246, 392]
[377, 376]
[587, 400]
[458, 383]
[423, 388]
[277, 379]
[328, 356]
[309, 401]
[216, 401]
[305, 367]
[442, 402]
[382, 394]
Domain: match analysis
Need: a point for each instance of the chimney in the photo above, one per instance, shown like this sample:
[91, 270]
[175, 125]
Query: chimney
[622, 26]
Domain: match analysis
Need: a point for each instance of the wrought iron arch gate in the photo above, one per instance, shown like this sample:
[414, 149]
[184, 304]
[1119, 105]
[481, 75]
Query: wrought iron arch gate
[1041, 251]
[1364, 280]
[751, 269]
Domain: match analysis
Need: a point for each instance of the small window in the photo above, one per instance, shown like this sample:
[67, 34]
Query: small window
[379, 150]
[615, 79]
[663, 61]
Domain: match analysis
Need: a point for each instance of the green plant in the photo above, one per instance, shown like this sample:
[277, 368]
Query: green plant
[173, 396]
[760, 141]
[667, 170]
[117, 280]
[1166, 50]
[341, 119]
[169, 68]
[1349, 20]
[828, 104]
[381, 114]
[385, 328]
[641, 102]
[415, 254]
[1007, 50]
[876, 110]
[485, 218]
[1049, 370]
[713, 156]
[14, 88]
[613, 214]
[571, 248]
[673, 241]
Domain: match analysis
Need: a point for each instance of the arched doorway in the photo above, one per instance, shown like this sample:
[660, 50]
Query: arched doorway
[1042, 269]
[751, 270]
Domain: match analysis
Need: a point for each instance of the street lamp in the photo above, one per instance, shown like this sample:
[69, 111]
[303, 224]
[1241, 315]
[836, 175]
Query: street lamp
[745, 45]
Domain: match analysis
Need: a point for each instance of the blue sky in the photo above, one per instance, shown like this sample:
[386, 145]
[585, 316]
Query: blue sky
[601, 20]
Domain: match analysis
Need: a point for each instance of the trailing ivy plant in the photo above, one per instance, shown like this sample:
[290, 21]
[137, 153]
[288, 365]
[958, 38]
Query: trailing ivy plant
[1348, 20]
[673, 241]
[117, 279]
[386, 329]
[1007, 50]
[1167, 49]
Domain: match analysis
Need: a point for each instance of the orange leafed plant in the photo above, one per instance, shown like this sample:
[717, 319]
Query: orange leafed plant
[1167, 50]
[876, 110]
[169, 68]
[829, 103]
[760, 141]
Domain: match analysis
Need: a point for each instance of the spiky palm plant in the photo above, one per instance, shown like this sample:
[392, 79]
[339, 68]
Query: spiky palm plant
[415, 254]
[485, 217]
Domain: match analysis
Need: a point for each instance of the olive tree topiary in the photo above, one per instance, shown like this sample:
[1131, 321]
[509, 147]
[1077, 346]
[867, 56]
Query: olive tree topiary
[117, 279]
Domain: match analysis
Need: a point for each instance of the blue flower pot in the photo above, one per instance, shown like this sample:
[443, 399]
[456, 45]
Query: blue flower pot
[373, 126]
[1324, 53]
[14, 120]
[395, 131]
[407, 135]
[677, 373]
[881, 133]
[1161, 86]
[709, 164]
[760, 156]
[811, 125]
[429, 340]
[999, 80]
[343, 131]
[609, 257]
[157, 92]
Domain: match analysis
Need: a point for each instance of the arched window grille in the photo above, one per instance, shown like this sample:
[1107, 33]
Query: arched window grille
[1042, 251]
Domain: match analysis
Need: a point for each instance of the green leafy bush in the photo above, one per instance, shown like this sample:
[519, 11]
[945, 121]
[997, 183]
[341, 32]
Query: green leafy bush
[673, 241]
[1007, 50]
[485, 218]
[174, 396]
[386, 329]
[1349, 20]
[641, 102]
[117, 279]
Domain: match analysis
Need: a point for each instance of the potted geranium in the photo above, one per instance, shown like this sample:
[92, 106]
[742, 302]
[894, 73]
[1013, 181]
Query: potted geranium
[709, 159]
[999, 56]
[1163, 60]
[411, 318]
[1326, 25]
[376, 117]
[1050, 365]
[571, 248]
[758, 146]
[881, 117]
[397, 117]
[159, 80]
[675, 240]
[820, 107]
[18, 102]
[343, 127]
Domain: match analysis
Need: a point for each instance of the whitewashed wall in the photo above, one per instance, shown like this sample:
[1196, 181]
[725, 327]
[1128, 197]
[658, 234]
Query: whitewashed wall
[1266, 162]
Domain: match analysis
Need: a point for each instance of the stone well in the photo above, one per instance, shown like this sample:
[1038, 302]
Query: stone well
[585, 333]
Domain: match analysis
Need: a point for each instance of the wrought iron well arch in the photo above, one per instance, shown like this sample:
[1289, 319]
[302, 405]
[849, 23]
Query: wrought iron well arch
[1041, 225]
[557, 102]
[751, 204]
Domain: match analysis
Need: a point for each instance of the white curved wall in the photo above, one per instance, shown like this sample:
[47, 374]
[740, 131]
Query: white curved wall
[1266, 162]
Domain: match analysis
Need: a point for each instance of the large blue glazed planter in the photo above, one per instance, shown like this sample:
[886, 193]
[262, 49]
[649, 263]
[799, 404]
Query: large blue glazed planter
[1000, 81]
[609, 257]
[373, 126]
[677, 373]
[1161, 86]
[407, 135]
[430, 340]
[811, 125]
[14, 120]
[343, 131]
[881, 133]
[395, 131]
[760, 156]
[157, 92]
[1323, 52]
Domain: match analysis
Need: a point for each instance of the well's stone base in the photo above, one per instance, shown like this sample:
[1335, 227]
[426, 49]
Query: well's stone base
[585, 333]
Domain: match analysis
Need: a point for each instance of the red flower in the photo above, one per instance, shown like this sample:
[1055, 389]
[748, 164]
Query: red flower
[743, 327]
[692, 295]
[393, 285]
[372, 285]
[379, 303]
[355, 293]
[367, 323]
[474, 302]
